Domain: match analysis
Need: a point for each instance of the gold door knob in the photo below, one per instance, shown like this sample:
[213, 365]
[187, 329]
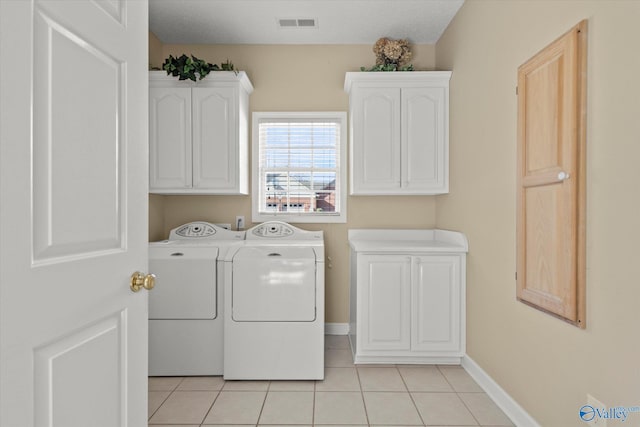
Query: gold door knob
[140, 280]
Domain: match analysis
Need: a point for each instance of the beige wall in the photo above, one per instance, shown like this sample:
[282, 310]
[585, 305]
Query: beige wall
[156, 203]
[547, 365]
[155, 51]
[293, 78]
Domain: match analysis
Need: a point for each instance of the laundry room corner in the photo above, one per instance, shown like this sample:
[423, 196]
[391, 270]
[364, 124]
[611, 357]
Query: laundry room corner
[281, 74]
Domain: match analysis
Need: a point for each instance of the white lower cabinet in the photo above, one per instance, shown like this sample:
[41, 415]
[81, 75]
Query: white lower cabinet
[436, 301]
[407, 303]
[386, 293]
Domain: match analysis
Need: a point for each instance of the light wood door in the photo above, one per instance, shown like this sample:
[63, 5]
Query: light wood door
[551, 178]
[73, 213]
[386, 302]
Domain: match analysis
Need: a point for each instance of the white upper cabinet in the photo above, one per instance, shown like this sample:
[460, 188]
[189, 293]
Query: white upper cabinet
[399, 132]
[198, 134]
[169, 138]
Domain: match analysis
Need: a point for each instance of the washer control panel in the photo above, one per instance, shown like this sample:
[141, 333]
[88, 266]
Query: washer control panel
[196, 229]
[281, 231]
[203, 232]
[273, 229]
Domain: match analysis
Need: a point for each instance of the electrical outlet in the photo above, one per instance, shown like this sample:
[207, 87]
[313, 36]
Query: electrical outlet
[240, 222]
[596, 405]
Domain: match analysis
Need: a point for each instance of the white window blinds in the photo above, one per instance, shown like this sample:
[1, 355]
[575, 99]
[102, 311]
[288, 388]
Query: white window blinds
[299, 166]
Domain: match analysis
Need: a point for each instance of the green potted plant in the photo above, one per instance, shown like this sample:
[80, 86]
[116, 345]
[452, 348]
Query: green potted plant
[192, 68]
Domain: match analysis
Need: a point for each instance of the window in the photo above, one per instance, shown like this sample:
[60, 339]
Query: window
[299, 168]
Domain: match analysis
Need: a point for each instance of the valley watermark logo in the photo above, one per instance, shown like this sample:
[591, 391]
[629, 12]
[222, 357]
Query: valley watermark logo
[590, 413]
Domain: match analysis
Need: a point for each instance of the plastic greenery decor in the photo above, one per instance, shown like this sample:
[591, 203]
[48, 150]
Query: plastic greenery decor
[185, 67]
[388, 67]
[391, 55]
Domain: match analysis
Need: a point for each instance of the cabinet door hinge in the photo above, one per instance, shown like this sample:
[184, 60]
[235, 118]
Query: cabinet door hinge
[516, 275]
[516, 90]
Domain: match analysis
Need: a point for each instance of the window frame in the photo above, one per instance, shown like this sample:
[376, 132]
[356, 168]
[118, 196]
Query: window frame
[341, 186]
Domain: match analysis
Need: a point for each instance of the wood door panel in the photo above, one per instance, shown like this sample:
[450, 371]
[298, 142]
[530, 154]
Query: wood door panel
[544, 108]
[551, 178]
[548, 252]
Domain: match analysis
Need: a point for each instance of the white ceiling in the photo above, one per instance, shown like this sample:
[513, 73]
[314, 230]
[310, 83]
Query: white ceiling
[338, 21]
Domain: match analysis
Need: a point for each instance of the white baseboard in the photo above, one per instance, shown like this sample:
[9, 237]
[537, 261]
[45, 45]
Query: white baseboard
[336, 329]
[510, 407]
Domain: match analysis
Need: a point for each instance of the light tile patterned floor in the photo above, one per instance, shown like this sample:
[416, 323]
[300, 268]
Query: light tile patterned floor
[350, 395]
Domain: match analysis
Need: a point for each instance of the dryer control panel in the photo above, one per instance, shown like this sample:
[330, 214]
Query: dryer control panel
[273, 229]
[201, 231]
[282, 232]
[196, 229]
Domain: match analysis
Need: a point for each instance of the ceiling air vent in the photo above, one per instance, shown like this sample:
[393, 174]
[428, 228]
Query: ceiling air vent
[297, 23]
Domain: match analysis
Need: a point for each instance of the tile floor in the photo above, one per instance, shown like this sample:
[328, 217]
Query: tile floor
[350, 395]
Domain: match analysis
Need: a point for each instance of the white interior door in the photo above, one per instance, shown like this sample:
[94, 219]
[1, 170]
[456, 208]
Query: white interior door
[73, 212]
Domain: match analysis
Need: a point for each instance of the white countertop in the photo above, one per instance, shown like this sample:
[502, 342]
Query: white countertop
[387, 240]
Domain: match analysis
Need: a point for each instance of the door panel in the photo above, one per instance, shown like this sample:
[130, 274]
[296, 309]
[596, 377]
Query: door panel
[376, 158]
[62, 99]
[73, 212]
[387, 298]
[436, 307]
[215, 138]
[423, 144]
[551, 178]
[545, 236]
[170, 133]
[544, 108]
[64, 366]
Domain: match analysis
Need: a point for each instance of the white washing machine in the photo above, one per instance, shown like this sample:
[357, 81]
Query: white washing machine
[274, 305]
[186, 305]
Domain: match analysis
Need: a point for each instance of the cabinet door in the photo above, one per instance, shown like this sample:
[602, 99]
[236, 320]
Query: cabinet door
[436, 304]
[215, 139]
[384, 284]
[169, 138]
[375, 155]
[424, 140]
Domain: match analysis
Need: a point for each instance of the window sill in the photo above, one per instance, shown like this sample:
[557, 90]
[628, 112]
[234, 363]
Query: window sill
[293, 218]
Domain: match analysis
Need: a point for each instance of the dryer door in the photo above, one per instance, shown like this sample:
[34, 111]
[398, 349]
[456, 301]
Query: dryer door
[274, 284]
[186, 282]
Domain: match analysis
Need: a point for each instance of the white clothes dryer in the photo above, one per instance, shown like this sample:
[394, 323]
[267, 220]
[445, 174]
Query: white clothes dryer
[186, 305]
[274, 305]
